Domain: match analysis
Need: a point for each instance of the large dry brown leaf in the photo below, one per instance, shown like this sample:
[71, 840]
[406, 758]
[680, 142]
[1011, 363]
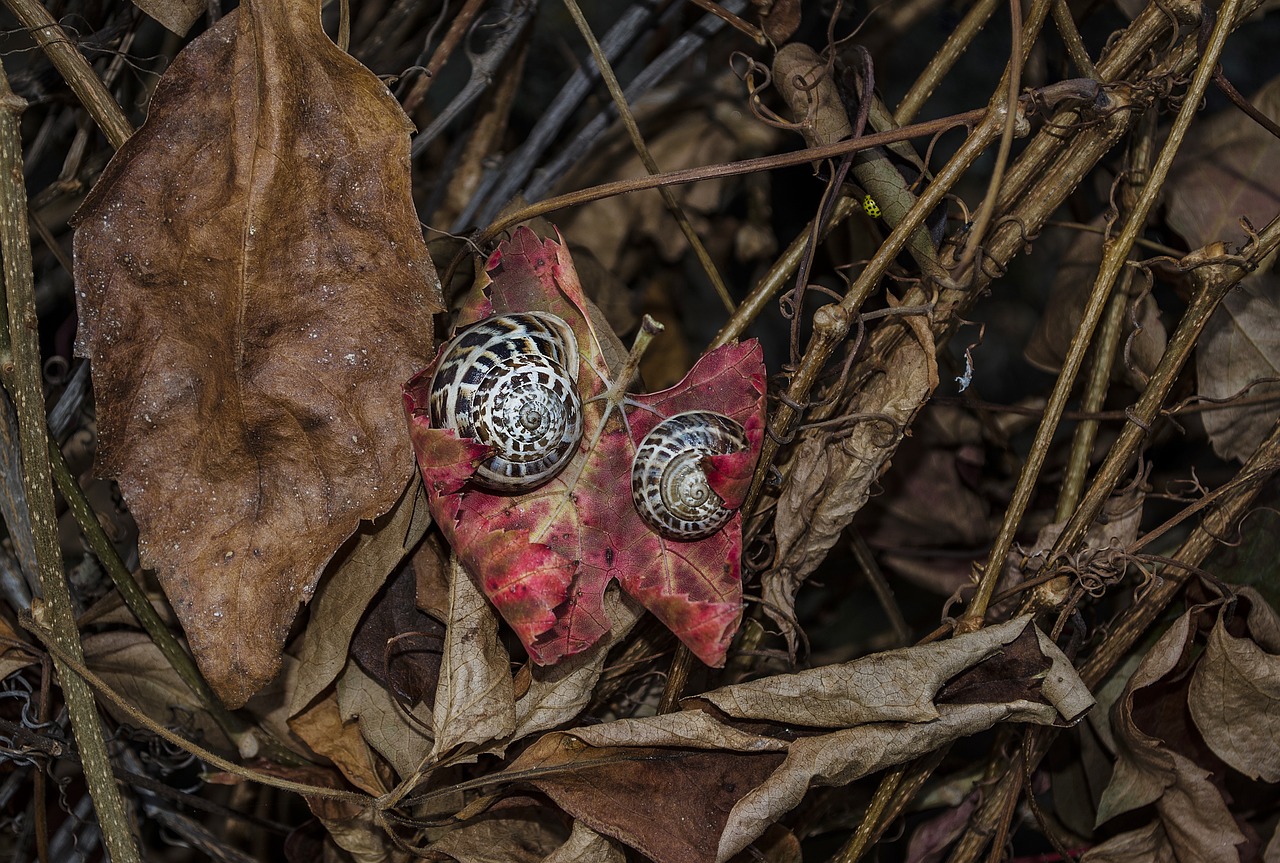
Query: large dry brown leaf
[1235, 691]
[830, 474]
[253, 286]
[756, 722]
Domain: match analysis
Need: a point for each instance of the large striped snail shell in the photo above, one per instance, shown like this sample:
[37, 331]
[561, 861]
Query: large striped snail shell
[668, 484]
[510, 381]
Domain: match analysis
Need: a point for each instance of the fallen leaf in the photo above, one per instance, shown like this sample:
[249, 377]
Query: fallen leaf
[1142, 339]
[752, 725]
[688, 795]
[252, 284]
[322, 727]
[131, 664]
[1160, 761]
[557, 694]
[176, 16]
[545, 557]
[476, 699]
[929, 841]
[404, 738]
[830, 474]
[780, 19]
[1240, 346]
[518, 833]
[585, 845]
[1235, 690]
[1225, 171]
[397, 645]
[12, 658]
[349, 584]
[1147, 844]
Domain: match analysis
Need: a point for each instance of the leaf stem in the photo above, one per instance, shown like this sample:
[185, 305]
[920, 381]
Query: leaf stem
[21, 377]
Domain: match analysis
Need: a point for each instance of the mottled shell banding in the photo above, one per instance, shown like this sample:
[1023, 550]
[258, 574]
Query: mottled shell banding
[510, 382]
[668, 484]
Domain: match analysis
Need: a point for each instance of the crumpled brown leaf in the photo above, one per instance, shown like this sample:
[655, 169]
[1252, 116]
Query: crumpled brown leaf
[1235, 690]
[829, 475]
[349, 584]
[252, 286]
[1163, 762]
[763, 728]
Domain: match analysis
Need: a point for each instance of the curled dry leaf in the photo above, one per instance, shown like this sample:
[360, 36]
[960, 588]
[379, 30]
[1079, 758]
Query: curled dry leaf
[1163, 762]
[1235, 690]
[829, 475]
[545, 557]
[745, 755]
[252, 285]
[476, 699]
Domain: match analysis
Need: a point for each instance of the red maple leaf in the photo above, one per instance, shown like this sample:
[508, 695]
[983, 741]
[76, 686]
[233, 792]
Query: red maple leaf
[545, 557]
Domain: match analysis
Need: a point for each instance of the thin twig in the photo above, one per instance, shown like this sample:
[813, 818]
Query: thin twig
[642, 149]
[75, 69]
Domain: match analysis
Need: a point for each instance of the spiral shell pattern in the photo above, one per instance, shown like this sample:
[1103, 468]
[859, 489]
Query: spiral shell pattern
[510, 382]
[668, 484]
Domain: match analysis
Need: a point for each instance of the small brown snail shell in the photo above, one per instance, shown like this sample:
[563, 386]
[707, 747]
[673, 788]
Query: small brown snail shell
[668, 484]
[510, 382]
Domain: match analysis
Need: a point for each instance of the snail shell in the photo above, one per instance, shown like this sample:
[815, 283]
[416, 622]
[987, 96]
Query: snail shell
[668, 484]
[510, 382]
